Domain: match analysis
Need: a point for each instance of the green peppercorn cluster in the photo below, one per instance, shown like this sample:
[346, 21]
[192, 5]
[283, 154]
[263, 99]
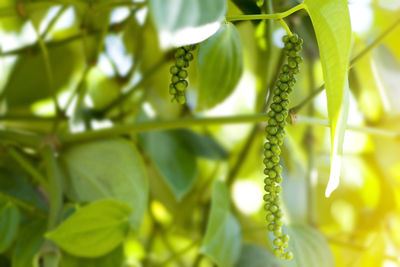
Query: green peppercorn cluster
[275, 133]
[179, 83]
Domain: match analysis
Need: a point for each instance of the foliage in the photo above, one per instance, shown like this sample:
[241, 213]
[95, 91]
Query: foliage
[99, 168]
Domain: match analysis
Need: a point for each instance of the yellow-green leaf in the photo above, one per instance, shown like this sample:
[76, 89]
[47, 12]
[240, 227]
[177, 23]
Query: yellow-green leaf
[93, 230]
[331, 21]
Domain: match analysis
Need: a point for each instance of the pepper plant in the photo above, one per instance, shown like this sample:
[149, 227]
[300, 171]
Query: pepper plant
[198, 133]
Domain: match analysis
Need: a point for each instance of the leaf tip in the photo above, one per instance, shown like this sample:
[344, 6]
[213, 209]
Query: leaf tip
[334, 177]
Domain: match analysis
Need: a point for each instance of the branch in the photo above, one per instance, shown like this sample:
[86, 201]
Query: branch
[29, 168]
[159, 125]
[275, 16]
[363, 129]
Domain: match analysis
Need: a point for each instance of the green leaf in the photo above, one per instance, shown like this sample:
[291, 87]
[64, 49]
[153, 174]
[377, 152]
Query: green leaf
[183, 22]
[93, 230]
[202, 145]
[9, 224]
[28, 243]
[223, 239]
[28, 81]
[256, 256]
[220, 63]
[113, 259]
[175, 162]
[309, 248]
[14, 186]
[331, 21]
[109, 168]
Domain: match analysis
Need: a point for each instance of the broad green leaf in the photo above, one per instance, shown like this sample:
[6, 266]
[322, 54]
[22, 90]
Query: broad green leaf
[93, 230]
[202, 145]
[28, 243]
[9, 224]
[183, 22]
[256, 256]
[175, 161]
[332, 27]
[113, 259]
[28, 81]
[220, 63]
[309, 248]
[109, 168]
[223, 239]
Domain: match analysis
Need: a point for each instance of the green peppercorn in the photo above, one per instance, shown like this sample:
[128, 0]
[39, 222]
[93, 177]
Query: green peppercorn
[277, 91]
[277, 242]
[284, 96]
[189, 57]
[288, 255]
[279, 117]
[181, 99]
[272, 121]
[277, 99]
[285, 38]
[181, 86]
[292, 54]
[183, 74]
[174, 70]
[275, 159]
[284, 104]
[268, 153]
[277, 107]
[294, 38]
[284, 77]
[172, 91]
[292, 64]
[180, 62]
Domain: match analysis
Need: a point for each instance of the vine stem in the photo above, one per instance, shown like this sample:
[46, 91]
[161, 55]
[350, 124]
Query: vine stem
[286, 27]
[48, 68]
[276, 16]
[20, 158]
[158, 125]
[360, 55]
[355, 128]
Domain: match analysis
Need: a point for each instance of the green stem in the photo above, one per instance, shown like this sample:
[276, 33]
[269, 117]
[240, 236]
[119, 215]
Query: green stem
[26, 139]
[275, 16]
[55, 185]
[144, 80]
[160, 125]
[363, 129]
[27, 118]
[53, 22]
[26, 165]
[360, 55]
[49, 71]
[21, 204]
[286, 27]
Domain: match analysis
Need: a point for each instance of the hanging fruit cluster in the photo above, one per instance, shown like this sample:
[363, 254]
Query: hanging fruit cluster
[183, 56]
[275, 133]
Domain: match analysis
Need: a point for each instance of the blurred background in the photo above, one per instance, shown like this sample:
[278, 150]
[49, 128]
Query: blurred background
[98, 55]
